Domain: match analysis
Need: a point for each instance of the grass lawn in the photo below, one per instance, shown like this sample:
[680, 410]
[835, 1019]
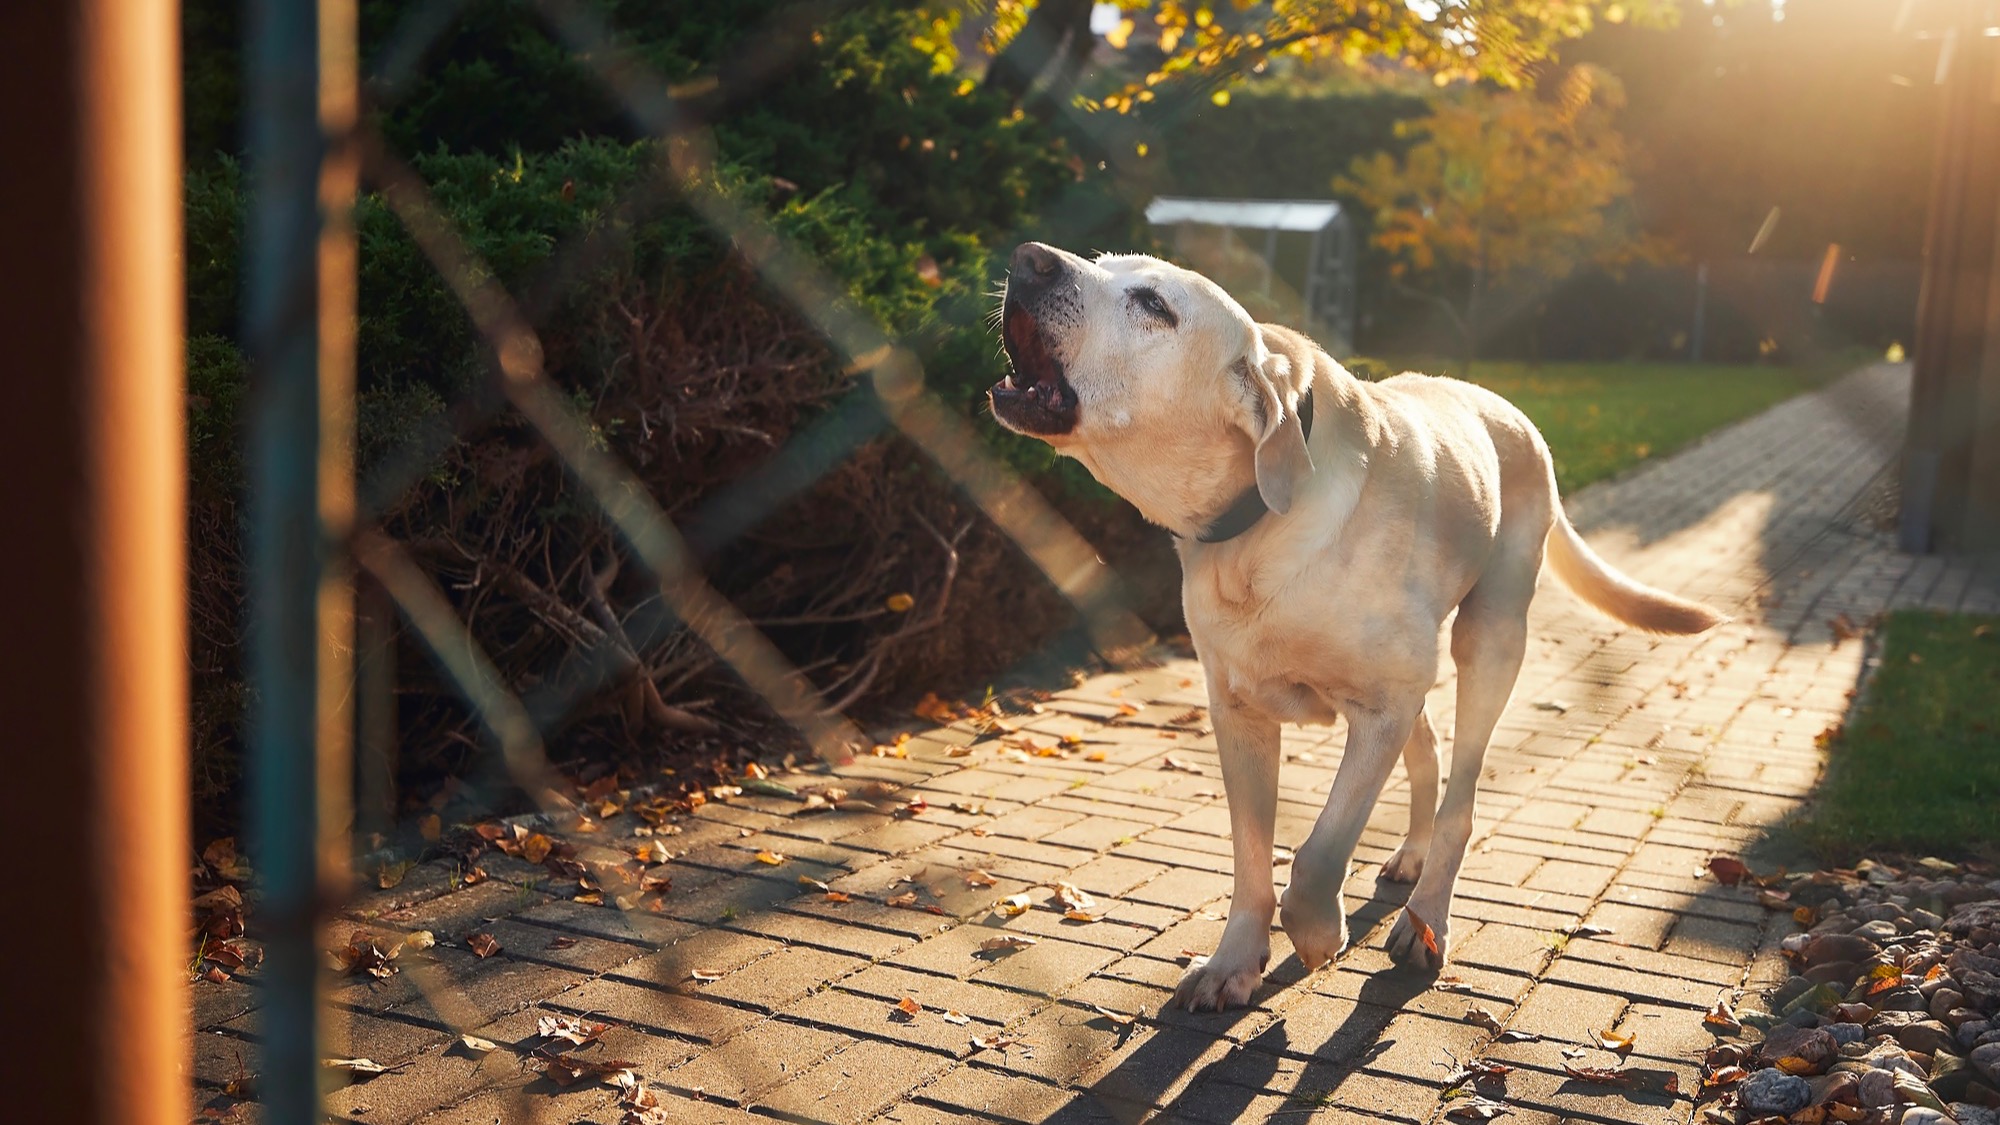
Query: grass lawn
[1601, 418]
[1918, 770]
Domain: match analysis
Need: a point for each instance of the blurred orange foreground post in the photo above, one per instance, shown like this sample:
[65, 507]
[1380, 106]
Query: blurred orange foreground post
[93, 681]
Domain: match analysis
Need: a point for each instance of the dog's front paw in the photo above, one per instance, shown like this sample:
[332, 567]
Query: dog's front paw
[1223, 981]
[1416, 945]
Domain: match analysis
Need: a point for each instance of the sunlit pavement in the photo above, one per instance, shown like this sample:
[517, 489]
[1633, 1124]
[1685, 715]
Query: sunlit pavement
[1624, 763]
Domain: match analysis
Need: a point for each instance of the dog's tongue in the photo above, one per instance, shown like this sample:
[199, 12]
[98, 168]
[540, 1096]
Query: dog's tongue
[1032, 362]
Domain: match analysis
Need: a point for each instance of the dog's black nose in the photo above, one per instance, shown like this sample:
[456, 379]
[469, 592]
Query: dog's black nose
[1034, 266]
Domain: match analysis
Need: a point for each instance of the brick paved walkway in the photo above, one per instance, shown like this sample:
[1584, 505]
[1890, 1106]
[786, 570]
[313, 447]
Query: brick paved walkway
[1624, 762]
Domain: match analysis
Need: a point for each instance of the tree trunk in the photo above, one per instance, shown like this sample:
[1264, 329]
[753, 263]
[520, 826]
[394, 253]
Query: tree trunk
[1472, 295]
[1053, 23]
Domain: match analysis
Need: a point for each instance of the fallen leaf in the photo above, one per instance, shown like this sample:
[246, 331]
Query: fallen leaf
[1095, 756]
[536, 847]
[1727, 870]
[1013, 905]
[1069, 895]
[570, 1029]
[485, 945]
[1512, 1036]
[1008, 942]
[357, 1066]
[908, 1006]
[475, 1043]
[809, 881]
[1450, 984]
[907, 898]
[1727, 1076]
[1477, 1109]
[837, 897]
[993, 1042]
[1559, 706]
[1482, 1018]
[1117, 1019]
[1723, 1016]
[1590, 929]
[1173, 763]
[770, 857]
[958, 751]
[1083, 916]
[1613, 1041]
[705, 976]
[980, 878]
[1794, 1064]
[956, 1017]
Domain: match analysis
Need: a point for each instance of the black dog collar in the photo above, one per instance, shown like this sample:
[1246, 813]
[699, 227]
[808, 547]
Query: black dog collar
[1250, 507]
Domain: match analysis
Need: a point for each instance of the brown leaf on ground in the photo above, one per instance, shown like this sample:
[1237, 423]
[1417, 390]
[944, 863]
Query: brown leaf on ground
[1477, 1109]
[568, 1070]
[1727, 1076]
[570, 1029]
[1013, 905]
[357, 1066]
[485, 945]
[1118, 1019]
[838, 897]
[770, 858]
[906, 899]
[1482, 1018]
[909, 1007]
[705, 976]
[1172, 763]
[1613, 1041]
[956, 1017]
[536, 847]
[1722, 1017]
[993, 1042]
[477, 1045]
[980, 878]
[1728, 870]
[1005, 943]
[1075, 899]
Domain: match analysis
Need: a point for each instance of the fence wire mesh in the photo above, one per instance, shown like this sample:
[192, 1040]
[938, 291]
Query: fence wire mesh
[612, 906]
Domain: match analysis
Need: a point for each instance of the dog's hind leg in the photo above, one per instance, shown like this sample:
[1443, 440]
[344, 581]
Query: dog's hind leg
[1487, 644]
[1313, 914]
[1420, 758]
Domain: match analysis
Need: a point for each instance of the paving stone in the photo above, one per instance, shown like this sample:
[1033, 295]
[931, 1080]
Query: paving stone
[1560, 1012]
[854, 1084]
[995, 1094]
[678, 1014]
[1048, 968]
[787, 974]
[755, 1060]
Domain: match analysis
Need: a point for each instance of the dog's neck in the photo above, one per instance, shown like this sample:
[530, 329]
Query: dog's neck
[1187, 494]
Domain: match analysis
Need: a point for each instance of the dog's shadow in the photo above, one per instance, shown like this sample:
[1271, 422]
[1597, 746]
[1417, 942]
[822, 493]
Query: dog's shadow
[1227, 1083]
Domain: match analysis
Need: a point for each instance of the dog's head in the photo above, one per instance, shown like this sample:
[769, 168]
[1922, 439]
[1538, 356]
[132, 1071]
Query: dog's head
[1152, 376]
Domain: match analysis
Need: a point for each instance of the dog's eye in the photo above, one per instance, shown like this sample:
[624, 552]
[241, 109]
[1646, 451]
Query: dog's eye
[1151, 302]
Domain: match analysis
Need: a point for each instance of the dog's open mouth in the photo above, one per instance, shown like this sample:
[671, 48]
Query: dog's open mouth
[1034, 398]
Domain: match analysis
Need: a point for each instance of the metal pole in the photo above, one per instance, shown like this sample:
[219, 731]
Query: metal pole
[299, 324]
[92, 471]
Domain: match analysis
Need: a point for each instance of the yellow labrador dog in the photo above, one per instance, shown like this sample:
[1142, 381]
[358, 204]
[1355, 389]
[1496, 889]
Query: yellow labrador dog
[1327, 528]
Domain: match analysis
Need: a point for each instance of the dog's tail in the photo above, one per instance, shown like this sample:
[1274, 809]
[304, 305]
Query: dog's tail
[1616, 595]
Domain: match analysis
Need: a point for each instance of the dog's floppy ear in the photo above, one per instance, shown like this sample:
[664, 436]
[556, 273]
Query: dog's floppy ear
[1282, 459]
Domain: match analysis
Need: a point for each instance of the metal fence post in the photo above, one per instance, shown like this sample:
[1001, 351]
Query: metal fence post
[298, 326]
[91, 481]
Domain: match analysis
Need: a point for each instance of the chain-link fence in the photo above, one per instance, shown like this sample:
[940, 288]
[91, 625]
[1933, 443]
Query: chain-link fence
[314, 540]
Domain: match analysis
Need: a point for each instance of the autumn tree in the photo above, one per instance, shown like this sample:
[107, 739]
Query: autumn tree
[1209, 44]
[1499, 189]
